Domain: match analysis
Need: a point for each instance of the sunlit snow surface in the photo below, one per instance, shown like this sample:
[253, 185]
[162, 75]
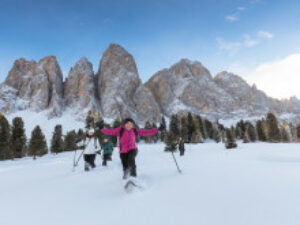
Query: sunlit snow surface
[255, 184]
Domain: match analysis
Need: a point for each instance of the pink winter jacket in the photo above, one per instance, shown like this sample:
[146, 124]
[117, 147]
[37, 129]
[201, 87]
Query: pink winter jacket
[127, 141]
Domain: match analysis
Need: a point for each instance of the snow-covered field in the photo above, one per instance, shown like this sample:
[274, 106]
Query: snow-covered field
[251, 185]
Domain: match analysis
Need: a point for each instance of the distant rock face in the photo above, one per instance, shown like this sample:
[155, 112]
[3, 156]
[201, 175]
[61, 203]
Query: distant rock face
[8, 98]
[80, 90]
[188, 87]
[117, 91]
[121, 92]
[245, 97]
[39, 85]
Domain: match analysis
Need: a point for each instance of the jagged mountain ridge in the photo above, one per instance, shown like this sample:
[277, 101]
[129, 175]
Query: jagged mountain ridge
[116, 90]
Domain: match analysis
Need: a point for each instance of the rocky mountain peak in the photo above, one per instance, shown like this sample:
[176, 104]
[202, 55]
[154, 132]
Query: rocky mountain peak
[119, 62]
[39, 85]
[80, 87]
[118, 83]
[185, 86]
[229, 79]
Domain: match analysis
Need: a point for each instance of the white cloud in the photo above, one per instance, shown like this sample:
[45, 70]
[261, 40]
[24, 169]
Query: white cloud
[231, 18]
[265, 34]
[279, 79]
[232, 48]
[236, 15]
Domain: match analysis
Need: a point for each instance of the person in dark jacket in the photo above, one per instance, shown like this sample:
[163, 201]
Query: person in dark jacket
[181, 146]
[107, 148]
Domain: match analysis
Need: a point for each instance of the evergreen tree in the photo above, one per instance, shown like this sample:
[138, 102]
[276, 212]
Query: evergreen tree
[238, 132]
[285, 134]
[190, 126]
[89, 121]
[18, 138]
[298, 132]
[261, 130]
[216, 134]
[70, 141]
[57, 143]
[209, 129]
[37, 144]
[163, 133]
[5, 152]
[230, 140]
[223, 136]
[294, 133]
[273, 129]
[197, 137]
[240, 127]
[155, 137]
[174, 126]
[171, 142]
[184, 129]
[246, 138]
[116, 123]
[147, 139]
[201, 125]
[251, 132]
[80, 135]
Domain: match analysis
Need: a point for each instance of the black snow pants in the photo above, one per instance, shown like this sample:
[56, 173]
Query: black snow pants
[128, 162]
[89, 161]
[106, 157]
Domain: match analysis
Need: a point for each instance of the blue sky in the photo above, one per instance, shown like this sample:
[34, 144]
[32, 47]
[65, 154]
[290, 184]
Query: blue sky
[237, 35]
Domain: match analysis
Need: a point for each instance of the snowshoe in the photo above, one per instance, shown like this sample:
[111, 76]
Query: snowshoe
[131, 185]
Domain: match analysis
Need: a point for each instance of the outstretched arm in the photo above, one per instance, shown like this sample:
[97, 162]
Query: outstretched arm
[149, 132]
[111, 132]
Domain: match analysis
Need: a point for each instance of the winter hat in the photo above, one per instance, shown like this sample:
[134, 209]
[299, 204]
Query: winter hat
[88, 130]
[128, 120]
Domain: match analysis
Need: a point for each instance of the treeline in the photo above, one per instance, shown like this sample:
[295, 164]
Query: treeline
[267, 130]
[191, 128]
[14, 143]
[195, 129]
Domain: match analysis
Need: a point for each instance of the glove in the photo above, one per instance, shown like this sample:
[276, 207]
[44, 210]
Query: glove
[161, 127]
[100, 124]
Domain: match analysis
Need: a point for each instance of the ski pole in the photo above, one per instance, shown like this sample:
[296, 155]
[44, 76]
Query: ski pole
[176, 162]
[74, 159]
[76, 164]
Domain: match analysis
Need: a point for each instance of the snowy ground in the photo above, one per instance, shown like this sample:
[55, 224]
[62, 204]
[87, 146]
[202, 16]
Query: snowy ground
[252, 185]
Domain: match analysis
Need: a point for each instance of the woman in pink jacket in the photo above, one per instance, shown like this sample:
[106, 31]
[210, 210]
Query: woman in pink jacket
[127, 143]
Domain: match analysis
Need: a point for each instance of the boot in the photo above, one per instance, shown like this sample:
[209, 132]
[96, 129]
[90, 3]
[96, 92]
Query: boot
[86, 166]
[125, 174]
[133, 172]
